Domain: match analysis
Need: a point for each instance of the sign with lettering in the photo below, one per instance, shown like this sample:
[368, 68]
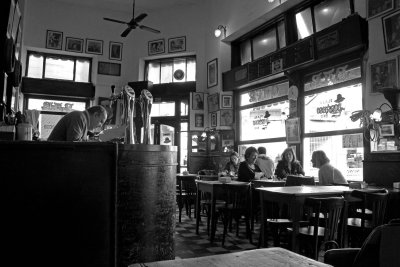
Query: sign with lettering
[55, 106]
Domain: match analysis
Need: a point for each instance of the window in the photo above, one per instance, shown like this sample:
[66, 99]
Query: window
[326, 13]
[171, 70]
[263, 43]
[41, 65]
[163, 109]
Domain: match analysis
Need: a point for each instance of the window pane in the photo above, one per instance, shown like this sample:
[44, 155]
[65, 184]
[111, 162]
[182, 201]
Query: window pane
[35, 67]
[184, 108]
[264, 93]
[254, 126]
[166, 72]
[82, 71]
[55, 105]
[274, 150]
[264, 44]
[304, 23]
[347, 160]
[154, 72]
[47, 123]
[163, 109]
[331, 110]
[281, 34]
[179, 64]
[330, 12]
[245, 52]
[183, 146]
[57, 68]
[191, 70]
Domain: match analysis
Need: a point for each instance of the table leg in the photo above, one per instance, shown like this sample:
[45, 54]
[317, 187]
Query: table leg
[198, 197]
[212, 215]
[296, 213]
[263, 221]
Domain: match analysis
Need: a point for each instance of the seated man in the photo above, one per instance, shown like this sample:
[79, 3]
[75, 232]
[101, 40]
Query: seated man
[327, 174]
[265, 163]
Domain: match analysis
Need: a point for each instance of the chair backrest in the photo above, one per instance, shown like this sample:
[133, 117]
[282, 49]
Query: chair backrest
[189, 186]
[376, 202]
[292, 180]
[332, 209]
[238, 196]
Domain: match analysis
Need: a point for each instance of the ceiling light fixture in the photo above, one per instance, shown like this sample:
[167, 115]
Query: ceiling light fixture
[219, 30]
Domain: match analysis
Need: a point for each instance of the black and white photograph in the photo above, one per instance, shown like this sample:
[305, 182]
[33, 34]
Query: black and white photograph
[199, 120]
[213, 119]
[94, 46]
[292, 127]
[226, 101]
[156, 47]
[212, 73]
[54, 40]
[177, 44]
[378, 7]
[391, 31]
[213, 102]
[198, 101]
[386, 130]
[74, 44]
[226, 118]
[383, 75]
[115, 51]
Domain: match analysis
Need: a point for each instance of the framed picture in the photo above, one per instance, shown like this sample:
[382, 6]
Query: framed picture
[198, 101]
[115, 51]
[199, 120]
[391, 31]
[156, 47]
[213, 102]
[213, 119]
[74, 44]
[212, 73]
[383, 74]
[177, 44]
[386, 130]
[111, 110]
[107, 68]
[226, 117]
[292, 127]
[226, 101]
[94, 46]
[378, 7]
[54, 39]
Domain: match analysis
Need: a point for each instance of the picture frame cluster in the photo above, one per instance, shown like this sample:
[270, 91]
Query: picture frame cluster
[175, 45]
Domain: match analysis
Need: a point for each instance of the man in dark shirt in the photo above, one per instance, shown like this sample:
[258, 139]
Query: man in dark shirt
[75, 125]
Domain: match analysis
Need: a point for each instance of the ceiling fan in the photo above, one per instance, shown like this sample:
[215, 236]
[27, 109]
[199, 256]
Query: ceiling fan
[134, 23]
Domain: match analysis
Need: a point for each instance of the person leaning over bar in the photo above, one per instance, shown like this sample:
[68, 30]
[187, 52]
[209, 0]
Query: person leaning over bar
[248, 168]
[75, 125]
[288, 165]
[327, 174]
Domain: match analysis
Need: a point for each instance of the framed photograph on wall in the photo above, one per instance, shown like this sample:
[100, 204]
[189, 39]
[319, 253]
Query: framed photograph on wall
[107, 68]
[177, 44]
[212, 73]
[213, 102]
[386, 130]
[54, 39]
[198, 101]
[156, 47]
[391, 31]
[213, 119]
[199, 120]
[115, 51]
[226, 118]
[74, 44]
[383, 74]
[94, 46]
[292, 127]
[378, 7]
[226, 101]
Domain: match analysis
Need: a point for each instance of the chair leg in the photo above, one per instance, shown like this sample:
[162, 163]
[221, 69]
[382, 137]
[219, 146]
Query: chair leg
[226, 220]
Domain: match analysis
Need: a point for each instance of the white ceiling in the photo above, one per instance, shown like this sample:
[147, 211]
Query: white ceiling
[125, 5]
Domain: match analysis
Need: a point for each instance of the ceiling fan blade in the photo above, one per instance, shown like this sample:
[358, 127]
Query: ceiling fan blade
[114, 20]
[140, 17]
[125, 33]
[133, 9]
[148, 29]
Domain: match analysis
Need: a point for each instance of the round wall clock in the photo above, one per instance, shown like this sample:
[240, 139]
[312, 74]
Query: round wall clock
[179, 74]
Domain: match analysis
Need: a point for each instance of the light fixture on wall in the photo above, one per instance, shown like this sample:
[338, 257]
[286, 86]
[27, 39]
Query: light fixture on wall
[218, 31]
[208, 133]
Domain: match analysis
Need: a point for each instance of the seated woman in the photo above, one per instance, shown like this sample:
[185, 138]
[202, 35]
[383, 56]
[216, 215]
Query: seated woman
[327, 174]
[232, 166]
[248, 168]
[288, 165]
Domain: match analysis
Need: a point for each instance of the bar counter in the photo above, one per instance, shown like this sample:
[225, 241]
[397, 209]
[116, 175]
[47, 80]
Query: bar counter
[87, 203]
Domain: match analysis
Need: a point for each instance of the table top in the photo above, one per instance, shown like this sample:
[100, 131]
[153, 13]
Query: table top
[268, 183]
[305, 190]
[219, 183]
[251, 258]
[186, 175]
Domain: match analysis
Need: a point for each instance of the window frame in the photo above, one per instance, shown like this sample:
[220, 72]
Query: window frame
[59, 56]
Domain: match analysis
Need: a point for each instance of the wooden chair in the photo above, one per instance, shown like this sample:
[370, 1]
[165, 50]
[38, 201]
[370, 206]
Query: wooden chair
[368, 213]
[238, 204]
[380, 249]
[190, 190]
[326, 231]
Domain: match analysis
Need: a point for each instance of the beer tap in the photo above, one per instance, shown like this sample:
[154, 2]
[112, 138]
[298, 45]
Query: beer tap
[146, 101]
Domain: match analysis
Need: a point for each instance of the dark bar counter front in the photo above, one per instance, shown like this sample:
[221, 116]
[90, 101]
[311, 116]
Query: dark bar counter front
[87, 204]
